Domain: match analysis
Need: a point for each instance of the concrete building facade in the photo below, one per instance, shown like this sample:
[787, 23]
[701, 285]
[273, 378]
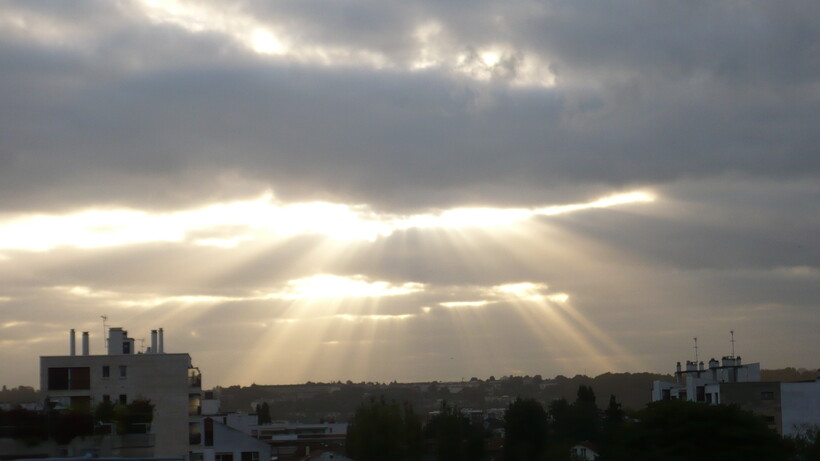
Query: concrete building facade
[169, 381]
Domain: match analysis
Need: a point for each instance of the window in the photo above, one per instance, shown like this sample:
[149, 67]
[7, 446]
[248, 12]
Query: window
[224, 457]
[194, 434]
[106, 398]
[58, 379]
[250, 456]
[767, 395]
[769, 419]
[123, 371]
[123, 399]
[209, 432]
[63, 378]
[106, 371]
[126, 347]
[708, 398]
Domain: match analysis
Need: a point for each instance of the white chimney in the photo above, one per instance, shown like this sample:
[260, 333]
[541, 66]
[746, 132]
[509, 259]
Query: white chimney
[73, 344]
[153, 341]
[161, 342]
[85, 343]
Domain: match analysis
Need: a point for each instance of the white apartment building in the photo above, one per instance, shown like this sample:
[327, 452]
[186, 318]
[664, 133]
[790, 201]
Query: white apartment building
[121, 375]
[787, 407]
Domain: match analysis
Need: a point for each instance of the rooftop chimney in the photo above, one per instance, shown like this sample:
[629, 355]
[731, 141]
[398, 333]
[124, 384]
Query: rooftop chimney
[85, 343]
[153, 341]
[161, 342]
[72, 348]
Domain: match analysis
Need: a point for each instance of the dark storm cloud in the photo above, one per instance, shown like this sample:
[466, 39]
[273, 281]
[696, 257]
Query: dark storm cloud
[143, 113]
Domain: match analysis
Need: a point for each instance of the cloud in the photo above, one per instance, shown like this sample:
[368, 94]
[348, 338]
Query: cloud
[422, 152]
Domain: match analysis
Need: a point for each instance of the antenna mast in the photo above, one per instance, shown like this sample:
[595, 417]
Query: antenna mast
[696, 348]
[105, 331]
[732, 332]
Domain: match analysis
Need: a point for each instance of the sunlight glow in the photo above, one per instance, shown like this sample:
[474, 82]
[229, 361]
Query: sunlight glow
[226, 225]
[434, 46]
[457, 304]
[353, 318]
[333, 286]
[266, 43]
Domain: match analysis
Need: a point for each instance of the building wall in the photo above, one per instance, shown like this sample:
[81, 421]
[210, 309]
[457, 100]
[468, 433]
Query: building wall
[763, 399]
[229, 440]
[801, 406]
[160, 378]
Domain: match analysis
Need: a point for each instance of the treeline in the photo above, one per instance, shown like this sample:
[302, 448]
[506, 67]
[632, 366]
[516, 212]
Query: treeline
[788, 374]
[62, 425]
[18, 395]
[323, 401]
[668, 430]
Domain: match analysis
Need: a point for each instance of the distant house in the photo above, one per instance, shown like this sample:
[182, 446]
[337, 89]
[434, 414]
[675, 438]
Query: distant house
[584, 451]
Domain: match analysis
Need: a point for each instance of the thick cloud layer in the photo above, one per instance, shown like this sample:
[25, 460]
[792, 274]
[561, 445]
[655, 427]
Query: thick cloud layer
[407, 110]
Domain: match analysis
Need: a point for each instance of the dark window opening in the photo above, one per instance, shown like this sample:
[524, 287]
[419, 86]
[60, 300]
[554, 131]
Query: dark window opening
[80, 378]
[194, 434]
[224, 457]
[209, 432]
[106, 398]
[123, 371]
[126, 347]
[123, 399]
[106, 371]
[700, 392]
[250, 456]
[63, 379]
[666, 395]
[58, 379]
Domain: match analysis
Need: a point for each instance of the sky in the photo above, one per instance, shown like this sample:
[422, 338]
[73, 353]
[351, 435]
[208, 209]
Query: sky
[424, 190]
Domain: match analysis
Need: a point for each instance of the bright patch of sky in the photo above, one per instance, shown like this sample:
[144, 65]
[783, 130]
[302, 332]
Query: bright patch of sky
[434, 49]
[262, 218]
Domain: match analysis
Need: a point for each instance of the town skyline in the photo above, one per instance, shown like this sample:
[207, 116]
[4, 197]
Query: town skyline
[312, 191]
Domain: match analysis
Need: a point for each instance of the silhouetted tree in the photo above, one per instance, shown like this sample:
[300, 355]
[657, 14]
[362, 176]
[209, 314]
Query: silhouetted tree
[381, 431]
[613, 413]
[454, 437]
[526, 429]
[263, 413]
[677, 431]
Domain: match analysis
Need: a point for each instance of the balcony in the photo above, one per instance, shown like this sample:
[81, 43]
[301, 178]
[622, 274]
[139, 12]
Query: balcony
[194, 378]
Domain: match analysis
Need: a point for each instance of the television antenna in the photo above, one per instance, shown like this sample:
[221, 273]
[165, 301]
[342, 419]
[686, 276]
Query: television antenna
[696, 348]
[105, 330]
[732, 332]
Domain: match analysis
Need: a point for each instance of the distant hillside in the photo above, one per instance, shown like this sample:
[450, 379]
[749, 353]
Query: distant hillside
[788, 374]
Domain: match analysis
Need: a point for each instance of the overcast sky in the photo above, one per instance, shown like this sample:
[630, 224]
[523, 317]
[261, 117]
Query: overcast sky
[376, 190]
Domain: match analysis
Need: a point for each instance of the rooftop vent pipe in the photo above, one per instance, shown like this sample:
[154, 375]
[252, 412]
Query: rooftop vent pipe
[85, 343]
[72, 348]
